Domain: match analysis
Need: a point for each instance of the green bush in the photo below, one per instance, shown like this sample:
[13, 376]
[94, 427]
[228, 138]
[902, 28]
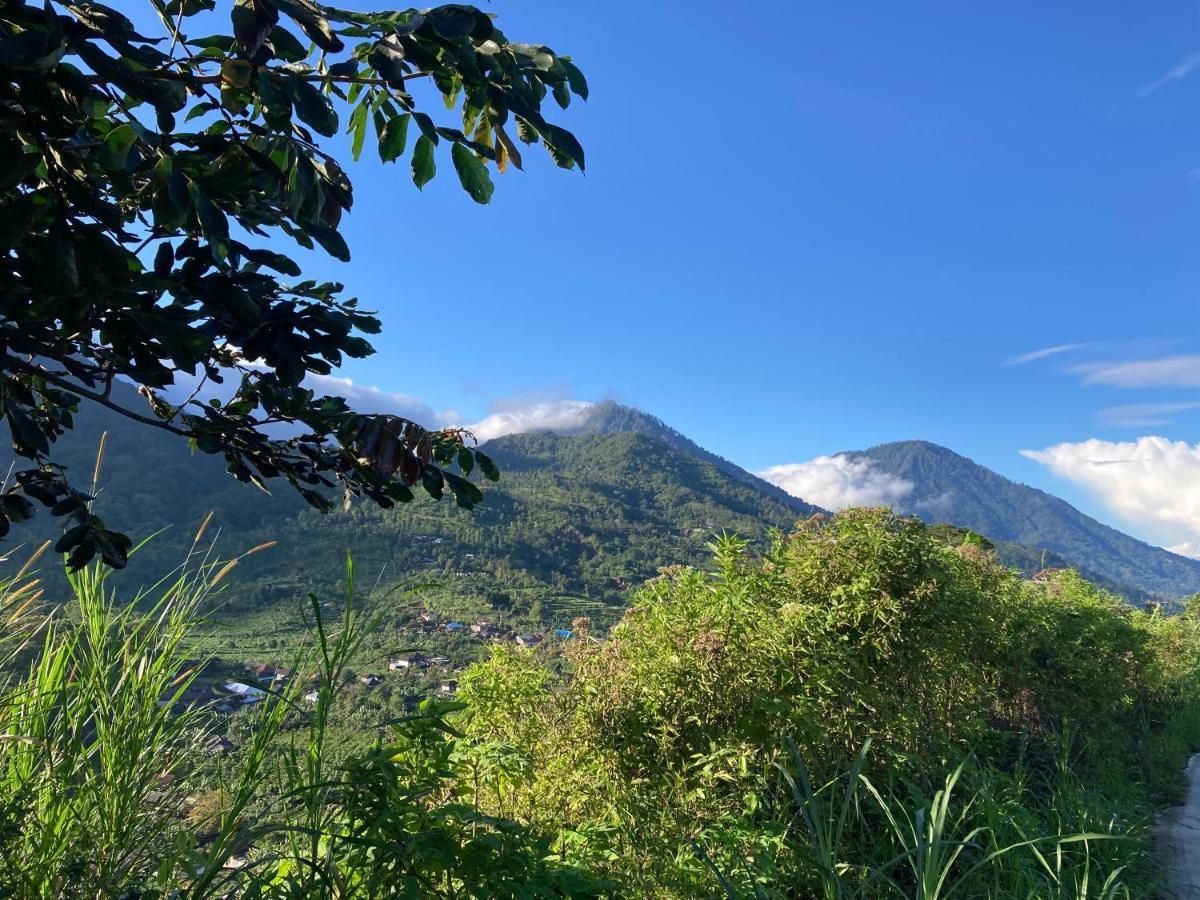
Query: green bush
[1074, 713]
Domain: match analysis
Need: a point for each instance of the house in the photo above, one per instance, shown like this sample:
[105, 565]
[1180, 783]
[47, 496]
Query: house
[528, 640]
[282, 675]
[408, 661]
[427, 616]
[217, 744]
[448, 688]
[453, 627]
[565, 633]
[312, 697]
[247, 693]
[265, 673]
[371, 680]
[439, 661]
[484, 629]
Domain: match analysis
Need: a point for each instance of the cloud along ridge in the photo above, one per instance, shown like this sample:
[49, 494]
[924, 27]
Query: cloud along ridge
[837, 482]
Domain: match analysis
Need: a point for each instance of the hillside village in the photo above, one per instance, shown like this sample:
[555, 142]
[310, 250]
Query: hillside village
[224, 687]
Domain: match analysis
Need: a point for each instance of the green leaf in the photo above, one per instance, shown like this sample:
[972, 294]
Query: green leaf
[314, 108]
[394, 138]
[455, 21]
[423, 166]
[564, 146]
[345, 68]
[562, 94]
[276, 261]
[334, 243]
[164, 259]
[358, 127]
[117, 153]
[466, 460]
[305, 14]
[426, 125]
[575, 77]
[212, 221]
[273, 92]
[285, 45]
[472, 173]
[489, 469]
[465, 493]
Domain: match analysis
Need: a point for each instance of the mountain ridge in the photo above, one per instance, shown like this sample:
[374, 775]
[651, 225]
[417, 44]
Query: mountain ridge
[615, 497]
[608, 417]
[951, 487]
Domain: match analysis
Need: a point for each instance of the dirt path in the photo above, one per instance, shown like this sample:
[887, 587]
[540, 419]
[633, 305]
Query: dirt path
[1178, 833]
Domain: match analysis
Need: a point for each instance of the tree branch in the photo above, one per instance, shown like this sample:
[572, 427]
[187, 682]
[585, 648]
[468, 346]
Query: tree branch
[217, 77]
[12, 363]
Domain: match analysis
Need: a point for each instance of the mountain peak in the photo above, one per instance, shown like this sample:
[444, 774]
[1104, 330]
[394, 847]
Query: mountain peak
[949, 487]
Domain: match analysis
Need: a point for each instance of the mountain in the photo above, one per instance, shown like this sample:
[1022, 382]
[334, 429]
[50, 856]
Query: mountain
[575, 522]
[950, 488]
[609, 417]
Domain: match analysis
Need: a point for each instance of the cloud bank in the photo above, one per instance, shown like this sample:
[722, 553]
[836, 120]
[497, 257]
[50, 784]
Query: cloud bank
[837, 482]
[1153, 480]
[563, 416]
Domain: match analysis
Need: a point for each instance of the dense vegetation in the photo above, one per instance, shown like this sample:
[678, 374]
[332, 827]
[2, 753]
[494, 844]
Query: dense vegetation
[1068, 713]
[951, 488]
[860, 710]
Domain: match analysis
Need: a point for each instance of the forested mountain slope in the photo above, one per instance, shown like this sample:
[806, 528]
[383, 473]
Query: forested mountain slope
[948, 487]
[608, 417]
[573, 524]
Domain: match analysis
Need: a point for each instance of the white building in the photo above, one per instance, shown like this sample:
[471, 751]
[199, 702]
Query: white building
[246, 692]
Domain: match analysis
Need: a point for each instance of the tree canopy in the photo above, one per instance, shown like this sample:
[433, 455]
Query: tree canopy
[145, 183]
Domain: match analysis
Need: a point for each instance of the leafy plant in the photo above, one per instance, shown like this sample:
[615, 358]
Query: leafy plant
[143, 174]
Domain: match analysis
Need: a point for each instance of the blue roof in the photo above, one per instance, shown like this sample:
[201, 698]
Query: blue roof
[564, 632]
[453, 626]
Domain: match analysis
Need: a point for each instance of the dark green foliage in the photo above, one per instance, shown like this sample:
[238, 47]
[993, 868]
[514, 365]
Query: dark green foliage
[952, 488]
[142, 175]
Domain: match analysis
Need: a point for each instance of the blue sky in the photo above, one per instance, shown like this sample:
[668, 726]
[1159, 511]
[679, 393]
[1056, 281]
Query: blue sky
[808, 228]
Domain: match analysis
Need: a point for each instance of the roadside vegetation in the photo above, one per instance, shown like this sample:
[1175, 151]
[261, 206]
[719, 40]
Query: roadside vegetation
[862, 710]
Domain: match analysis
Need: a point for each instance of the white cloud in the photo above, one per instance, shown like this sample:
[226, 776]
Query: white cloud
[1180, 70]
[1152, 481]
[1190, 549]
[1044, 352]
[367, 398]
[1165, 371]
[562, 416]
[1143, 415]
[837, 482]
